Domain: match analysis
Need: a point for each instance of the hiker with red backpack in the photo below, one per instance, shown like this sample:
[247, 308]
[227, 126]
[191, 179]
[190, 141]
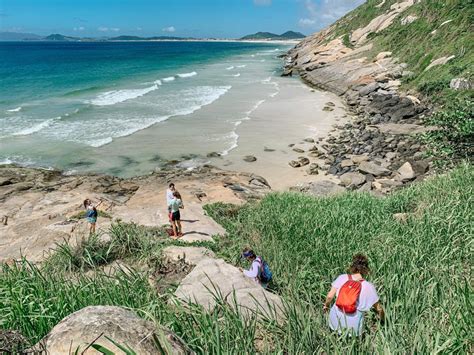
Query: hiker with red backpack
[259, 269]
[354, 297]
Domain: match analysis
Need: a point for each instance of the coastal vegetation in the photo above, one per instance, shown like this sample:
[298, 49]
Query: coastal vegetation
[418, 240]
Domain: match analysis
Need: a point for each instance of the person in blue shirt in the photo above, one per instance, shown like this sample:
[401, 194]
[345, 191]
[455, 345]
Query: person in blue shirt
[91, 214]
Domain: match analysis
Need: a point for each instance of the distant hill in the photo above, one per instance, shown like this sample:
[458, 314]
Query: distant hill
[273, 37]
[137, 38]
[15, 36]
[59, 37]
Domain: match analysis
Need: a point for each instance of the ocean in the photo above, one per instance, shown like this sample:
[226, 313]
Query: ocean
[126, 108]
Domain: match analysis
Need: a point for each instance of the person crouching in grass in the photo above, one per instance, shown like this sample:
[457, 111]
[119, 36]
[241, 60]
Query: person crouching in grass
[355, 296]
[174, 205]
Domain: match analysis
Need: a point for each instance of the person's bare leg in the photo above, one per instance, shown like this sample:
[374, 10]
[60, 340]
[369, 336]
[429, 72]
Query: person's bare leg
[180, 229]
[175, 232]
[93, 228]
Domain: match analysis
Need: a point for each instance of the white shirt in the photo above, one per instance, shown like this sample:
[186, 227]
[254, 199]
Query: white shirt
[169, 196]
[367, 298]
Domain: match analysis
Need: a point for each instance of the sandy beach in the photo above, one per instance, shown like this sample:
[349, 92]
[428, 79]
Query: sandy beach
[292, 115]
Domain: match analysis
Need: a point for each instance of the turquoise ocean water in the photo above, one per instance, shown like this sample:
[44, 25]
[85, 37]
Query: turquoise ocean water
[78, 106]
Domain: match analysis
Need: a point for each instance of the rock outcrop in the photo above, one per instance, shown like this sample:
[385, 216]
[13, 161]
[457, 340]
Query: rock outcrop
[40, 208]
[94, 324]
[212, 279]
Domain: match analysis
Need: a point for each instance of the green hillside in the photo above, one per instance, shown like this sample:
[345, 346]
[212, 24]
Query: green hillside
[441, 28]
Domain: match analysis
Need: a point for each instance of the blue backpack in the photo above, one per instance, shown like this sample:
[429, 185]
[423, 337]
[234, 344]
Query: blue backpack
[264, 272]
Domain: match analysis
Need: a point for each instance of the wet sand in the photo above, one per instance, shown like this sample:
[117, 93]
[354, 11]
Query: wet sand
[289, 117]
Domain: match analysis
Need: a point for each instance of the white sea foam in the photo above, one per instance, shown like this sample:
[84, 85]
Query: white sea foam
[236, 75]
[262, 60]
[157, 82]
[234, 137]
[241, 66]
[36, 128]
[187, 75]
[17, 109]
[168, 79]
[107, 130]
[256, 106]
[230, 68]
[100, 142]
[117, 96]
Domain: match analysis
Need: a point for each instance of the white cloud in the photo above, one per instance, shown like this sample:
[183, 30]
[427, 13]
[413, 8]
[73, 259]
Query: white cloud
[262, 2]
[107, 29]
[169, 29]
[80, 28]
[139, 28]
[324, 13]
[306, 22]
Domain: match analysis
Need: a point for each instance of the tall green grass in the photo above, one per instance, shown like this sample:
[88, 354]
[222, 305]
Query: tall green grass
[421, 268]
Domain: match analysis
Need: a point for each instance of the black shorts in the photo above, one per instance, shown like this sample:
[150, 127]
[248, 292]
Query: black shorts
[175, 216]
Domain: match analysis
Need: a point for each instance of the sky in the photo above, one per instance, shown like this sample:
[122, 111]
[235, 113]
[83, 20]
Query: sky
[183, 18]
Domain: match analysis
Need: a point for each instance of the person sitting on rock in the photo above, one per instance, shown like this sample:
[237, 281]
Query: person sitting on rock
[259, 270]
[354, 297]
[174, 205]
[91, 214]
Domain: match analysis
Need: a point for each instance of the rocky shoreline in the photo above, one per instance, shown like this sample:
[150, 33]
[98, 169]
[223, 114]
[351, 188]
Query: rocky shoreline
[378, 149]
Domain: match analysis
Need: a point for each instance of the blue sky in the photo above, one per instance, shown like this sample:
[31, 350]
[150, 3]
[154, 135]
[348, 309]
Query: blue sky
[198, 18]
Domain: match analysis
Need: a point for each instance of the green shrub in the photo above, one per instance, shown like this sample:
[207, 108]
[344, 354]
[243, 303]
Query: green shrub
[453, 138]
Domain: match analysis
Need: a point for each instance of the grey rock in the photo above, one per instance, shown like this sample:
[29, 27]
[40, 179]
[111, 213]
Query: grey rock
[81, 328]
[352, 179]
[250, 158]
[298, 150]
[405, 173]
[303, 161]
[213, 155]
[313, 169]
[324, 188]
[215, 276]
[294, 164]
[461, 84]
[367, 89]
[373, 169]
[309, 140]
[346, 163]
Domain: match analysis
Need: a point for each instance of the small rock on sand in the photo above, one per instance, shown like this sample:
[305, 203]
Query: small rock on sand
[250, 158]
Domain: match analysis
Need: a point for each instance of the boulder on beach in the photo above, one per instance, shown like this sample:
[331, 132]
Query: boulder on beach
[352, 179]
[250, 158]
[94, 324]
[373, 169]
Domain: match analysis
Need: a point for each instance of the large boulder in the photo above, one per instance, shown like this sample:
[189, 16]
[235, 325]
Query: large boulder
[94, 323]
[405, 173]
[213, 278]
[352, 179]
[368, 167]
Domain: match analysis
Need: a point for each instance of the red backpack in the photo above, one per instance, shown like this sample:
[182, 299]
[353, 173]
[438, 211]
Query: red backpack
[348, 295]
